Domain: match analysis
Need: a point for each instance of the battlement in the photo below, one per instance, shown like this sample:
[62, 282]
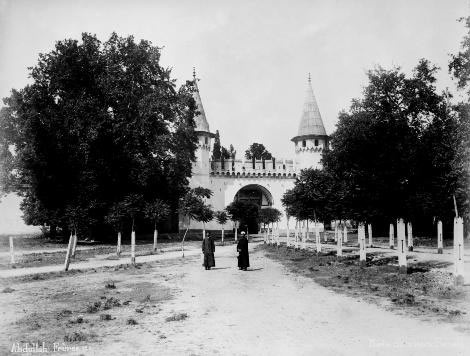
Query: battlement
[257, 168]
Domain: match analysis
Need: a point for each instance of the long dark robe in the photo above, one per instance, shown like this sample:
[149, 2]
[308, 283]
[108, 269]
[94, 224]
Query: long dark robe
[243, 256]
[208, 248]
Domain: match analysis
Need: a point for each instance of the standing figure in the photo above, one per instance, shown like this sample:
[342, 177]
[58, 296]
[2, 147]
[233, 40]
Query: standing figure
[242, 249]
[208, 249]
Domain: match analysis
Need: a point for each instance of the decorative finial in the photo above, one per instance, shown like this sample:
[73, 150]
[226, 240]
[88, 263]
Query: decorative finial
[194, 73]
[309, 78]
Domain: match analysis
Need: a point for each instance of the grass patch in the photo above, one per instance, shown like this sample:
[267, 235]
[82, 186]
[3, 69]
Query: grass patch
[424, 289]
[177, 317]
[76, 336]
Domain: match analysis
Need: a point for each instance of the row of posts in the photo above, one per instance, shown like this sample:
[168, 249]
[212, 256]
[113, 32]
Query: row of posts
[404, 241]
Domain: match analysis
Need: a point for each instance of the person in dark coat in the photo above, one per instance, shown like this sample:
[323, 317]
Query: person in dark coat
[208, 249]
[243, 256]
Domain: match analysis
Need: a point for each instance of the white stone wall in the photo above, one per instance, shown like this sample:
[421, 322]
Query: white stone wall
[225, 188]
[310, 155]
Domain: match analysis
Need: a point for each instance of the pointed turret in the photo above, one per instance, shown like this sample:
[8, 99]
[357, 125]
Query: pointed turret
[311, 123]
[311, 137]
[201, 122]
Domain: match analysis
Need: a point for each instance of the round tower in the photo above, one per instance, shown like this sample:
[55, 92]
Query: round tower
[311, 137]
[201, 168]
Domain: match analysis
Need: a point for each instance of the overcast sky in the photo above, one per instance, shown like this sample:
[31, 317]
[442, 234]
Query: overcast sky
[252, 57]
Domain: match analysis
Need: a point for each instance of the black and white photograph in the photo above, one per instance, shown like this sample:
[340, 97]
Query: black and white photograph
[221, 177]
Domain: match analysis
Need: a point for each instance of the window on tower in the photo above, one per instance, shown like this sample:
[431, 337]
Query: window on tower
[316, 142]
[304, 143]
[206, 140]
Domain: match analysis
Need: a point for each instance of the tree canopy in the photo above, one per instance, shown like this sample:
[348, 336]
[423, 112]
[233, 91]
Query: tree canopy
[257, 151]
[395, 153]
[101, 121]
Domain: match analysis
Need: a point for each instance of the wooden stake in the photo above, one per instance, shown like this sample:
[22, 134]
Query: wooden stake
[345, 233]
[74, 247]
[440, 242]
[361, 232]
[402, 264]
[317, 237]
[392, 236]
[69, 252]
[458, 252]
[369, 231]
[12, 251]
[287, 234]
[410, 236]
[339, 244]
[155, 240]
[278, 237]
[118, 247]
[133, 248]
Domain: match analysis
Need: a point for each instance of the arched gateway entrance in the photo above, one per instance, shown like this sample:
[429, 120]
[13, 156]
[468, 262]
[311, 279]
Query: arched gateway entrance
[256, 194]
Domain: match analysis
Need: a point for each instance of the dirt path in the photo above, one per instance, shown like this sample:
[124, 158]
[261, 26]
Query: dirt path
[267, 311]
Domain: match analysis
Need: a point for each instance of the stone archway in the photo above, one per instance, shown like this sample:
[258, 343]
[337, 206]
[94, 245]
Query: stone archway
[256, 194]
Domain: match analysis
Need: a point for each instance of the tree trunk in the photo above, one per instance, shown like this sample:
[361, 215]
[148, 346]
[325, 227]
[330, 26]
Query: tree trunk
[118, 247]
[410, 236]
[155, 239]
[53, 231]
[458, 252]
[12, 251]
[69, 252]
[74, 247]
[133, 246]
[440, 245]
[184, 236]
[401, 239]
[287, 234]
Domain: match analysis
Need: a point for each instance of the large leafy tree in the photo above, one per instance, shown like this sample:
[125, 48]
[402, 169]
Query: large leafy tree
[193, 206]
[312, 196]
[257, 151]
[459, 67]
[395, 153]
[100, 121]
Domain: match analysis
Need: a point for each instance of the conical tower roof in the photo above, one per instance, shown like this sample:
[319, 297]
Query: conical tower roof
[311, 123]
[201, 122]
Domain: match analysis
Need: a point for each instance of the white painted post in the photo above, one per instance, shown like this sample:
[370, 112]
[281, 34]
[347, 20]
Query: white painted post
[401, 235]
[304, 236]
[361, 232]
[74, 246]
[317, 237]
[345, 233]
[440, 242]
[458, 251]
[12, 251]
[336, 230]
[69, 252]
[392, 236]
[223, 231]
[410, 236]
[369, 231]
[236, 231]
[278, 236]
[339, 244]
[118, 247]
[287, 234]
[133, 247]
[155, 239]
